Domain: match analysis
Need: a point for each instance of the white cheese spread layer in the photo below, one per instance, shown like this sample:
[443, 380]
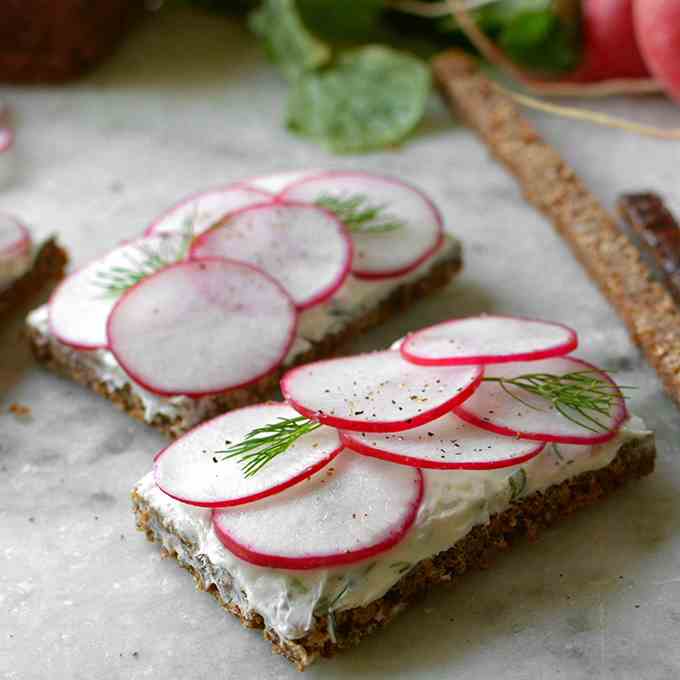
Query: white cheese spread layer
[455, 501]
[351, 301]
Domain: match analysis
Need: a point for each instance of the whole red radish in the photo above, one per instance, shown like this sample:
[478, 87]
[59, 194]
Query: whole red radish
[609, 47]
[657, 27]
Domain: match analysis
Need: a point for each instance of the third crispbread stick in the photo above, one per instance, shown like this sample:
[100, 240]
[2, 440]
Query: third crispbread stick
[552, 186]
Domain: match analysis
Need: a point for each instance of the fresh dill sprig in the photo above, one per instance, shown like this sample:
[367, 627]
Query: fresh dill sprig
[263, 444]
[359, 214]
[581, 396]
[144, 261]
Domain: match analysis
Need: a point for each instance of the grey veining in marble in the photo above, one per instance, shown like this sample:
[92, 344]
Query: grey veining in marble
[189, 102]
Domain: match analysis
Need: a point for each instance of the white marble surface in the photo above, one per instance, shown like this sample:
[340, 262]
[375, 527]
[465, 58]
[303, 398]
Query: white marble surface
[188, 102]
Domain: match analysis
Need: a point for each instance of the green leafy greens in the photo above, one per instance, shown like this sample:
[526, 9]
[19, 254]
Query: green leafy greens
[263, 444]
[359, 215]
[370, 98]
[286, 40]
[146, 259]
[351, 100]
[356, 68]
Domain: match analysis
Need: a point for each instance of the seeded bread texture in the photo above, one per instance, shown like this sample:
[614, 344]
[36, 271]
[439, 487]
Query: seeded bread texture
[524, 518]
[57, 357]
[48, 267]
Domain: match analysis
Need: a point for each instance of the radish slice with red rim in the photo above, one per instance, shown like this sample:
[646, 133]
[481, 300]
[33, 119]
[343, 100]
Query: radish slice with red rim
[356, 508]
[488, 340]
[448, 443]
[377, 392]
[201, 327]
[15, 239]
[493, 408]
[80, 306]
[406, 230]
[192, 470]
[302, 246]
[278, 182]
[6, 144]
[200, 211]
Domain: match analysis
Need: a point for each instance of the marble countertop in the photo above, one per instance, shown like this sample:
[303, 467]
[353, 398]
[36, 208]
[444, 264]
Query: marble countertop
[188, 102]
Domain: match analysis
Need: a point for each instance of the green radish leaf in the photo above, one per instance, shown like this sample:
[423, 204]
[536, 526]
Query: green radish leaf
[542, 41]
[341, 21]
[286, 40]
[369, 98]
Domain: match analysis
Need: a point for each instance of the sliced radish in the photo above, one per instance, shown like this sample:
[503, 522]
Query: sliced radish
[357, 508]
[202, 327]
[200, 211]
[377, 392]
[278, 182]
[80, 306]
[191, 471]
[488, 340]
[447, 443]
[302, 246]
[15, 239]
[6, 144]
[380, 254]
[492, 408]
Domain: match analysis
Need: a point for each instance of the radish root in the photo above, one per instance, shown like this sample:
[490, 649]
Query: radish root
[592, 116]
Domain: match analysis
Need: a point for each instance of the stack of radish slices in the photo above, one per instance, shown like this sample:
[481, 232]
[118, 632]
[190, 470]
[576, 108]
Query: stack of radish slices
[216, 284]
[334, 475]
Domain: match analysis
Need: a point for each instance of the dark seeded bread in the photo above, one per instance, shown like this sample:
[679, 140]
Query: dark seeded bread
[48, 267]
[63, 360]
[525, 517]
[609, 257]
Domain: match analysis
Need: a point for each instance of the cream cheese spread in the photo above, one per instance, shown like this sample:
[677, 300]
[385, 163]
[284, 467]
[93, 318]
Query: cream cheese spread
[455, 501]
[351, 301]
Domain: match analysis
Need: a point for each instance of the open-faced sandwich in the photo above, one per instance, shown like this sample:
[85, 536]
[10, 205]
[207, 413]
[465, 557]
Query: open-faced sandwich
[231, 287]
[319, 518]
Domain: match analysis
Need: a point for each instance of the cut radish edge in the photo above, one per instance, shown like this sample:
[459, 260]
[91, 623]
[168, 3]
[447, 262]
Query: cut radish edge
[448, 443]
[353, 510]
[493, 409]
[380, 254]
[377, 392]
[488, 340]
[80, 306]
[15, 239]
[6, 145]
[277, 183]
[305, 248]
[200, 211]
[202, 327]
[192, 470]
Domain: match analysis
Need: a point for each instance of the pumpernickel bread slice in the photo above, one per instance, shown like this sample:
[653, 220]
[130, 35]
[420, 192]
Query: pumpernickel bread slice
[48, 267]
[161, 519]
[173, 416]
